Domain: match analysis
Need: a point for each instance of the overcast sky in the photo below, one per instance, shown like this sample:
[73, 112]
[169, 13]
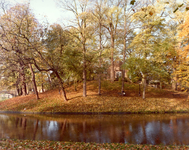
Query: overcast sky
[45, 10]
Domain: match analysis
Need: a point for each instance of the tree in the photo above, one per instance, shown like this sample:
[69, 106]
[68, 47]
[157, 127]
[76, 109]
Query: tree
[81, 29]
[149, 43]
[182, 67]
[52, 53]
[174, 13]
[128, 11]
[18, 29]
[113, 18]
[98, 18]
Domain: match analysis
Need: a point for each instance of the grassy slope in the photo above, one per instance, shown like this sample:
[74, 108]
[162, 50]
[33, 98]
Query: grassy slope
[110, 101]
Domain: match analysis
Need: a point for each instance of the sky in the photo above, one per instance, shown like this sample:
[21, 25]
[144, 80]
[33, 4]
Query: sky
[45, 10]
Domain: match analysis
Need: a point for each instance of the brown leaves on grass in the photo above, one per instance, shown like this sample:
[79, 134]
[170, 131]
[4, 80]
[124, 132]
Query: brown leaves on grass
[110, 101]
[29, 144]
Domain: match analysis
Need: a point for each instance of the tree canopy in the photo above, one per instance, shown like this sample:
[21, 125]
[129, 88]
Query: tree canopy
[147, 40]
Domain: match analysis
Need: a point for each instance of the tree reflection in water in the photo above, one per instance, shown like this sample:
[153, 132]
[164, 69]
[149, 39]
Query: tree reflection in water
[137, 129]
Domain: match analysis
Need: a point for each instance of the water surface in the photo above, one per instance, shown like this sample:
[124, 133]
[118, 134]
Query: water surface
[132, 128]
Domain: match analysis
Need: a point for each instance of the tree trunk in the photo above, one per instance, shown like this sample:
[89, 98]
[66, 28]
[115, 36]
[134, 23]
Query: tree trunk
[84, 60]
[23, 79]
[144, 86]
[100, 59]
[42, 88]
[75, 84]
[174, 83]
[49, 80]
[61, 85]
[99, 78]
[161, 85]
[84, 79]
[34, 82]
[112, 74]
[19, 91]
[84, 74]
[124, 51]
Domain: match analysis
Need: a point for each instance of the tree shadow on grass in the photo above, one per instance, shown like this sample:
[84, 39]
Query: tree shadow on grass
[75, 97]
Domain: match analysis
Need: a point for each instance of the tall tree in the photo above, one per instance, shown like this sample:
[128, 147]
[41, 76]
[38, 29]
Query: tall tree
[128, 11]
[174, 12]
[148, 42]
[113, 18]
[52, 53]
[81, 26]
[182, 66]
[98, 17]
[17, 28]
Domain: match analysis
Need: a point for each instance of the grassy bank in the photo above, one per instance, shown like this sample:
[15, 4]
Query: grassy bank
[50, 145]
[157, 101]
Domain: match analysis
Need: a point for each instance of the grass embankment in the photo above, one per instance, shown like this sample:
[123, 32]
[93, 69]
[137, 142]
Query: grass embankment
[157, 101]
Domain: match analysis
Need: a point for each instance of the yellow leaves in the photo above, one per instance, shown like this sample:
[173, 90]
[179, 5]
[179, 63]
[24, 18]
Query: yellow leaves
[185, 27]
[83, 15]
[114, 10]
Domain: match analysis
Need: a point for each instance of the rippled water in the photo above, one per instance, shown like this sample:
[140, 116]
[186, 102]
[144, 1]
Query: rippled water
[137, 129]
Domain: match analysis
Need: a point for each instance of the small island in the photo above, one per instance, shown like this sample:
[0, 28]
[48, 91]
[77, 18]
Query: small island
[112, 57]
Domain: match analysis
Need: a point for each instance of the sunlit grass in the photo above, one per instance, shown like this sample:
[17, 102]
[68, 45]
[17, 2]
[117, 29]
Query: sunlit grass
[157, 100]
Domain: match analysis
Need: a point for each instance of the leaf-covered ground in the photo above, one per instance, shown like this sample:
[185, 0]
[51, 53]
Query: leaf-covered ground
[110, 101]
[157, 101]
[51, 145]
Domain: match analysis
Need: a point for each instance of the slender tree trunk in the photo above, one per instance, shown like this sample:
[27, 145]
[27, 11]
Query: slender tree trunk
[18, 90]
[84, 73]
[161, 85]
[84, 60]
[23, 79]
[42, 88]
[100, 59]
[99, 77]
[112, 74]
[75, 84]
[124, 51]
[34, 82]
[24, 89]
[144, 86]
[174, 80]
[17, 86]
[49, 80]
[61, 85]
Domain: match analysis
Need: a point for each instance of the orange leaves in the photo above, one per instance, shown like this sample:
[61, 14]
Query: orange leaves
[185, 27]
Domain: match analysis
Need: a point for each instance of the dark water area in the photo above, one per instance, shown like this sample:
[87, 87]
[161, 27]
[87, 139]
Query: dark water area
[166, 129]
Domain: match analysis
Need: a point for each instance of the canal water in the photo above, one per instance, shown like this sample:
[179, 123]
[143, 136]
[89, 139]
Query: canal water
[153, 129]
